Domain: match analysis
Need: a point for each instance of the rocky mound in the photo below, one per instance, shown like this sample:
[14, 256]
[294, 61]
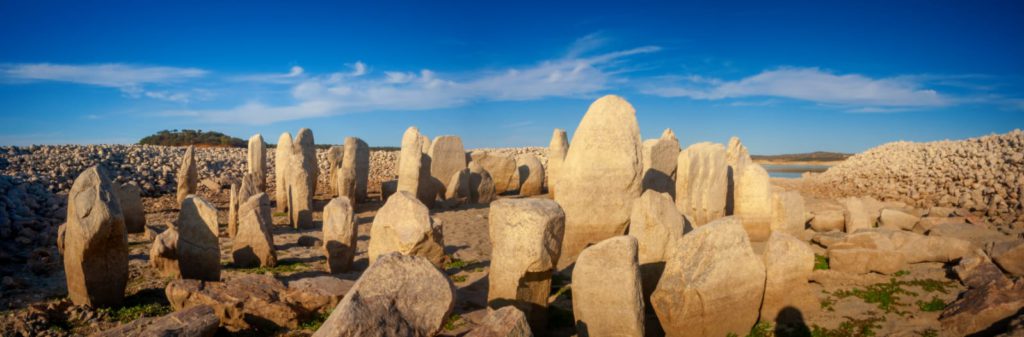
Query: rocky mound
[984, 175]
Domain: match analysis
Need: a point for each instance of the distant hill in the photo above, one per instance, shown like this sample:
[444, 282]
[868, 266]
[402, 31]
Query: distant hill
[192, 137]
[813, 156]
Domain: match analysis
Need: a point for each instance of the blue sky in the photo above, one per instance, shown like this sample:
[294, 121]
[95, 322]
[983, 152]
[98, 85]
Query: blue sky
[792, 77]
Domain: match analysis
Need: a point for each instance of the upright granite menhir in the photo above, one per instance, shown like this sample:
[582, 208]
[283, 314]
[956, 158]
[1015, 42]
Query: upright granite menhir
[188, 175]
[95, 242]
[301, 179]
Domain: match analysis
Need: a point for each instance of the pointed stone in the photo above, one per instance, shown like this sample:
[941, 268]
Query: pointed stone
[339, 235]
[607, 299]
[95, 242]
[601, 175]
[281, 164]
[658, 227]
[526, 237]
[188, 175]
[531, 175]
[702, 182]
[163, 254]
[661, 156]
[404, 225]
[130, 196]
[257, 161]
[198, 248]
[557, 150]
[754, 201]
[253, 245]
[302, 177]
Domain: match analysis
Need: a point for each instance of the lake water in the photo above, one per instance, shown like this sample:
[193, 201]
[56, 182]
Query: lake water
[792, 171]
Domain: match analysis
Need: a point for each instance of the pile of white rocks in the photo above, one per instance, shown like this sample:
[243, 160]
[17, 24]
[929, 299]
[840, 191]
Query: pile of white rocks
[29, 217]
[984, 175]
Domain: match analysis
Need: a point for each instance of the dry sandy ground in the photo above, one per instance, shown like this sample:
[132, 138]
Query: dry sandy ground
[466, 240]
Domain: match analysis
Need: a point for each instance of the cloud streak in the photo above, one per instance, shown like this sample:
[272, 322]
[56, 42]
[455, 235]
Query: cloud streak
[114, 75]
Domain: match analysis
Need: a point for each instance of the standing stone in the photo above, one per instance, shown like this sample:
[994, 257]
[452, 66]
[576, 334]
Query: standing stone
[788, 265]
[702, 182]
[481, 185]
[500, 166]
[243, 193]
[302, 176]
[281, 164]
[736, 157]
[253, 245]
[198, 248]
[504, 322]
[557, 150]
[712, 285]
[233, 211]
[860, 213]
[531, 176]
[657, 227]
[95, 242]
[660, 157]
[601, 175]
[397, 296]
[163, 254]
[404, 225]
[188, 175]
[130, 196]
[457, 191]
[257, 164]
[607, 299]
[339, 235]
[357, 162]
[413, 176]
[335, 156]
[754, 201]
[788, 212]
[447, 157]
[526, 236]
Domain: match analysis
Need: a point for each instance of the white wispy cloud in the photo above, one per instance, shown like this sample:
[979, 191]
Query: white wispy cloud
[808, 84]
[115, 75]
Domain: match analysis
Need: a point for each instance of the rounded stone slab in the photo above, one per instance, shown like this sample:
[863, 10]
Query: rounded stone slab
[607, 299]
[198, 246]
[339, 235]
[95, 242]
[531, 175]
[658, 227]
[404, 225]
[501, 167]
[447, 157]
[660, 157]
[281, 160]
[257, 161]
[702, 182]
[601, 175]
[253, 245]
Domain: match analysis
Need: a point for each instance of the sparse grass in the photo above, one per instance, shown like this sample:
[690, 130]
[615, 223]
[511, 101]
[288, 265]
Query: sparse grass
[887, 295]
[459, 278]
[935, 304]
[314, 323]
[850, 328]
[128, 314]
[280, 213]
[455, 264]
[280, 268]
[820, 262]
[454, 322]
[761, 329]
[928, 333]
[901, 273]
[930, 286]
[827, 303]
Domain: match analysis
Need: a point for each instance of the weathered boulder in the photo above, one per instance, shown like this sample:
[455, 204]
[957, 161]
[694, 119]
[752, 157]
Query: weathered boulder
[557, 149]
[238, 196]
[788, 212]
[356, 164]
[979, 236]
[864, 260]
[753, 201]
[339, 235]
[397, 296]
[95, 242]
[404, 225]
[926, 224]
[281, 164]
[316, 294]
[500, 166]
[163, 254]
[188, 175]
[504, 322]
[897, 219]
[481, 185]
[979, 308]
[257, 161]
[447, 157]
[197, 321]
[918, 248]
[1009, 255]
[976, 269]
[130, 196]
[828, 220]
[601, 175]
[253, 245]
[657, 227]
[701, 182]
[388, 188]
[526, 237]
[531, 175]
[660, 157]
[244, 302]
[607, 296]
[458, 191]
[713, 285]
[788, 264]
[302, 177]
[198, 248]
[414, 167]
[860, 213]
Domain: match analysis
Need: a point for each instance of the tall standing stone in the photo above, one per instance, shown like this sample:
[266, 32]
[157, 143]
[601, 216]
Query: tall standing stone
[357, 162]
[302, 176]
[130, 196]
[404, 225]
[447, 157]
[788, 265]
[601, 175]
[257, 164]
[736, 157]
[95, 242]
[198, 247]
[339, 235]
[526, 237]
[253, 245]
[281, 164]
[501, 167]
[531, 175]
[713, 284]
[754, 201]
[239, 196]
[660, 158]
[188, 175]
[233, 211]
[657, 227]
[335, 156]
[414, 167]
[789, 214]
[481, 185]
[701, 182]
[557, 150]
[606, 293]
